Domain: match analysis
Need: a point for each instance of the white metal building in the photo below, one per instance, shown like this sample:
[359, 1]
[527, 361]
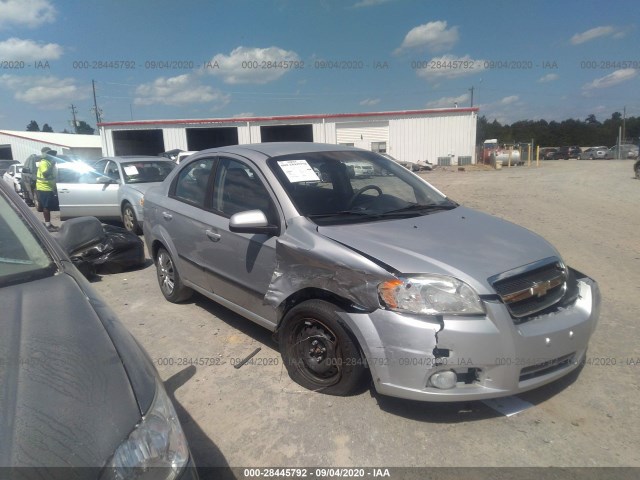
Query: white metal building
[444, 136]
[18, 145]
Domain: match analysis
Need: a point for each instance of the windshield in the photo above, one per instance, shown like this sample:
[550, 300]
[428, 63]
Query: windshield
[22, 257]
[354, 186]
[146, 171]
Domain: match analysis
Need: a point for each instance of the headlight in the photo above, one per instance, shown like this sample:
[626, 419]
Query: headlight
[430, 295]
[157, 445]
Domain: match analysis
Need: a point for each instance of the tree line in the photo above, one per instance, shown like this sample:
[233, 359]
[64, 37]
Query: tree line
[82, 128]
[587, 132]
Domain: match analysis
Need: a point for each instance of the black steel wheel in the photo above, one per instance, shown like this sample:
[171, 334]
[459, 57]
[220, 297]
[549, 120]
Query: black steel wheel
[318, 350]
[129, 219]
[169, 279]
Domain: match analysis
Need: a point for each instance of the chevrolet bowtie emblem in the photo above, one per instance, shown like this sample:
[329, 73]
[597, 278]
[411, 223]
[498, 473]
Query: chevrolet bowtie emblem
[540, 289]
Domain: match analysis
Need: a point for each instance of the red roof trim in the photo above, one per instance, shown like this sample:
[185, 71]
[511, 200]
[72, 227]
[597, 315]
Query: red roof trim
[34, 139]
[290, 117]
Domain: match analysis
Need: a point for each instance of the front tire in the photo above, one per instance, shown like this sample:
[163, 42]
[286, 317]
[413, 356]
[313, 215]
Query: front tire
[129, 219]
[169, 279]
[318, 351]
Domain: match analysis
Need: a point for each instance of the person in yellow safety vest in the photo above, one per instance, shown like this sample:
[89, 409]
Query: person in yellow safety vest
[46, 190]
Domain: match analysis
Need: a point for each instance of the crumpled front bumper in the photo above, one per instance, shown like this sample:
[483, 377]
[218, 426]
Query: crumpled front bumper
[492, 356]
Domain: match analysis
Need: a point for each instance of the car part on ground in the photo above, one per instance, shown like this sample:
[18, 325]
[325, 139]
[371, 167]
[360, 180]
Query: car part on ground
[377, 272]
[78, 391]
[94, 247]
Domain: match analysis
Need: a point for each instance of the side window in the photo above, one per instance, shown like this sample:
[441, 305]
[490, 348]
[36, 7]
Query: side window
[191, 184]
[67, 175]
[112, 171]
[99, 166]
[237, 188]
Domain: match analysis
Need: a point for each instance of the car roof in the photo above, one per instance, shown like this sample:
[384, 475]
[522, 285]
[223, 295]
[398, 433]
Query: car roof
[137, 158]
[276, 149]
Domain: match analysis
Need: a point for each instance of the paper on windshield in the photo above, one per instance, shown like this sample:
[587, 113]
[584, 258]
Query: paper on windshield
[298, 171]
[131, 170]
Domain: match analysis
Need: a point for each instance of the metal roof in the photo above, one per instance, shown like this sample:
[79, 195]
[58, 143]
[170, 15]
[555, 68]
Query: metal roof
[68, 140]
[329, 116]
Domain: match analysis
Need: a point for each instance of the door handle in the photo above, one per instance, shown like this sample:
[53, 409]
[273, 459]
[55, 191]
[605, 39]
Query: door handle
[213, 236]
[64, 190]
[167, 216]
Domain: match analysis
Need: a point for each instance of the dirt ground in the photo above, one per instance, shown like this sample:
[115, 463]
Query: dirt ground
[255, 416]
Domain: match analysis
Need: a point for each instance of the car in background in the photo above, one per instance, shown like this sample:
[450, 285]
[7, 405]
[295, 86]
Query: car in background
[623, 152]
[413, 166]
[28, 179]
[547, 153]
[182, 155]
[356, 273]
[12, 177]
[110, 189]
[359, 169]
[567, 153]
[594, 153]
[77, 389]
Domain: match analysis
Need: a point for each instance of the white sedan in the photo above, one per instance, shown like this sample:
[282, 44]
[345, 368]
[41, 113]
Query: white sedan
[12, 176]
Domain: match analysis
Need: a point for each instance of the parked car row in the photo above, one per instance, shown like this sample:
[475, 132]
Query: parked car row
[623, 151]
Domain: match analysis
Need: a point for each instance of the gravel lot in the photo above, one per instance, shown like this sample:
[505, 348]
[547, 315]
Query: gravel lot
[255, 416]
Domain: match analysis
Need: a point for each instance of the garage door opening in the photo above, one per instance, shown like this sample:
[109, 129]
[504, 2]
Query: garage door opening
[287, 133]
[202, 138]
[5, 152]
[138, 142]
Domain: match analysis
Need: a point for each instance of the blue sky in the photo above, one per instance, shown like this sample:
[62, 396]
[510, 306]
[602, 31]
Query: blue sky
[524, 59]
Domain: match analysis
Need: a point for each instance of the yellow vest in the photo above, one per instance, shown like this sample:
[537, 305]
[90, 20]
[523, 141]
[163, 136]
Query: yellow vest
[46, 176]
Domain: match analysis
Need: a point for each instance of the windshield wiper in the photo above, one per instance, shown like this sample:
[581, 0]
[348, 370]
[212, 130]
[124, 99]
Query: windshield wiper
[417, 207]
[342, 213]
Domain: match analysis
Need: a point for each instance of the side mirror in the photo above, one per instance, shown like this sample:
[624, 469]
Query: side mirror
[104, 179]
[252, 221]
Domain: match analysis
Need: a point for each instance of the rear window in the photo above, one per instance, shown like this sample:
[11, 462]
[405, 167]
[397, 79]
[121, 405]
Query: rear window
[146, 172]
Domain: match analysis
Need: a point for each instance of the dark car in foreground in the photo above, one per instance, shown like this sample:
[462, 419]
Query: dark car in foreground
[379, 277]
[77, 389]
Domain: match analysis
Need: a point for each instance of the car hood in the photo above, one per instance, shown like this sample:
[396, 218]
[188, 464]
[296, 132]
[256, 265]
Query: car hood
[462, 242]
[65, 397]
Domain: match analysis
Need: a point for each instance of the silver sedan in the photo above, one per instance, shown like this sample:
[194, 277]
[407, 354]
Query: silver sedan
[112, 188]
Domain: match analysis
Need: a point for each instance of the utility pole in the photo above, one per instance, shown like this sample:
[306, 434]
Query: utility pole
[624, 123]
[471, 90]
[75, 122]
[95, 104]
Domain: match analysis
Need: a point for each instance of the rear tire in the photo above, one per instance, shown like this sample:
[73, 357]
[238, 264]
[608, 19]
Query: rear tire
[169, 279]
[318, 351]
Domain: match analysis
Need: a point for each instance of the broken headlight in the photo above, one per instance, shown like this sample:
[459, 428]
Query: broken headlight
[430, 295]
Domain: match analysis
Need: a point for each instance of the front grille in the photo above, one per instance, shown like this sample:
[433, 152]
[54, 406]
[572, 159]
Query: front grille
[546, 367]
[532, 289]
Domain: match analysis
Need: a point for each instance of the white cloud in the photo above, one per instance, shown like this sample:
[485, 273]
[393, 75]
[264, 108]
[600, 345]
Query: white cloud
[28, 50]
[593, 33]
[253, 65]
[244, 115]
[612, 79]
[46, 92]
[30, 13]
[509, 100]
[549, 77]
[450, 66]
[370, 3]
[449, 101]
[180, 90]
[370, 102]
[434, 36]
